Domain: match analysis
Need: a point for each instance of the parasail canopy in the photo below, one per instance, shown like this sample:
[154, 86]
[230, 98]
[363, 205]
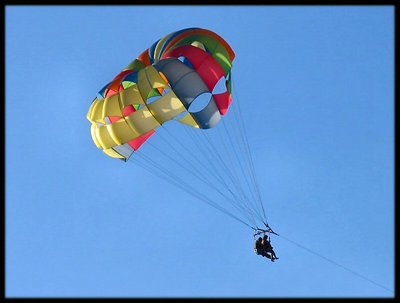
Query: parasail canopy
[166, 83]
[161, 85]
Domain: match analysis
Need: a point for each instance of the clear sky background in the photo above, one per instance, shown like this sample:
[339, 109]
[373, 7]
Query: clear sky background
[316, 87]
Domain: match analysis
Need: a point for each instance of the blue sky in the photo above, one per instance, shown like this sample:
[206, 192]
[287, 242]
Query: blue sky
[316, 88]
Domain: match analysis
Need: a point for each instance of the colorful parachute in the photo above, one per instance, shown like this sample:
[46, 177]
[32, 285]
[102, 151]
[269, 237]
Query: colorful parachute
[161, 85]
[165, 83]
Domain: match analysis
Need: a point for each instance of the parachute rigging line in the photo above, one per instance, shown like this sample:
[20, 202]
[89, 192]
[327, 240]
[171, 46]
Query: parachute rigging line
[164, 153]
[155, 169]
[214, 173]
[249, 157]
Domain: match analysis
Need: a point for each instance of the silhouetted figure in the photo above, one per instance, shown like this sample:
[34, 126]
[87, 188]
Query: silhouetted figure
[266, 245]
[260, 249]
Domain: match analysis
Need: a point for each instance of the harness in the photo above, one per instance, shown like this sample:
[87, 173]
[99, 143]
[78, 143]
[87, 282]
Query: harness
[267, 231]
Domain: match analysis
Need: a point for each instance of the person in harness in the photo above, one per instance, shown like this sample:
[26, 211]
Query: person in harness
[267, 247]
[263, 245]
[260, 249]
